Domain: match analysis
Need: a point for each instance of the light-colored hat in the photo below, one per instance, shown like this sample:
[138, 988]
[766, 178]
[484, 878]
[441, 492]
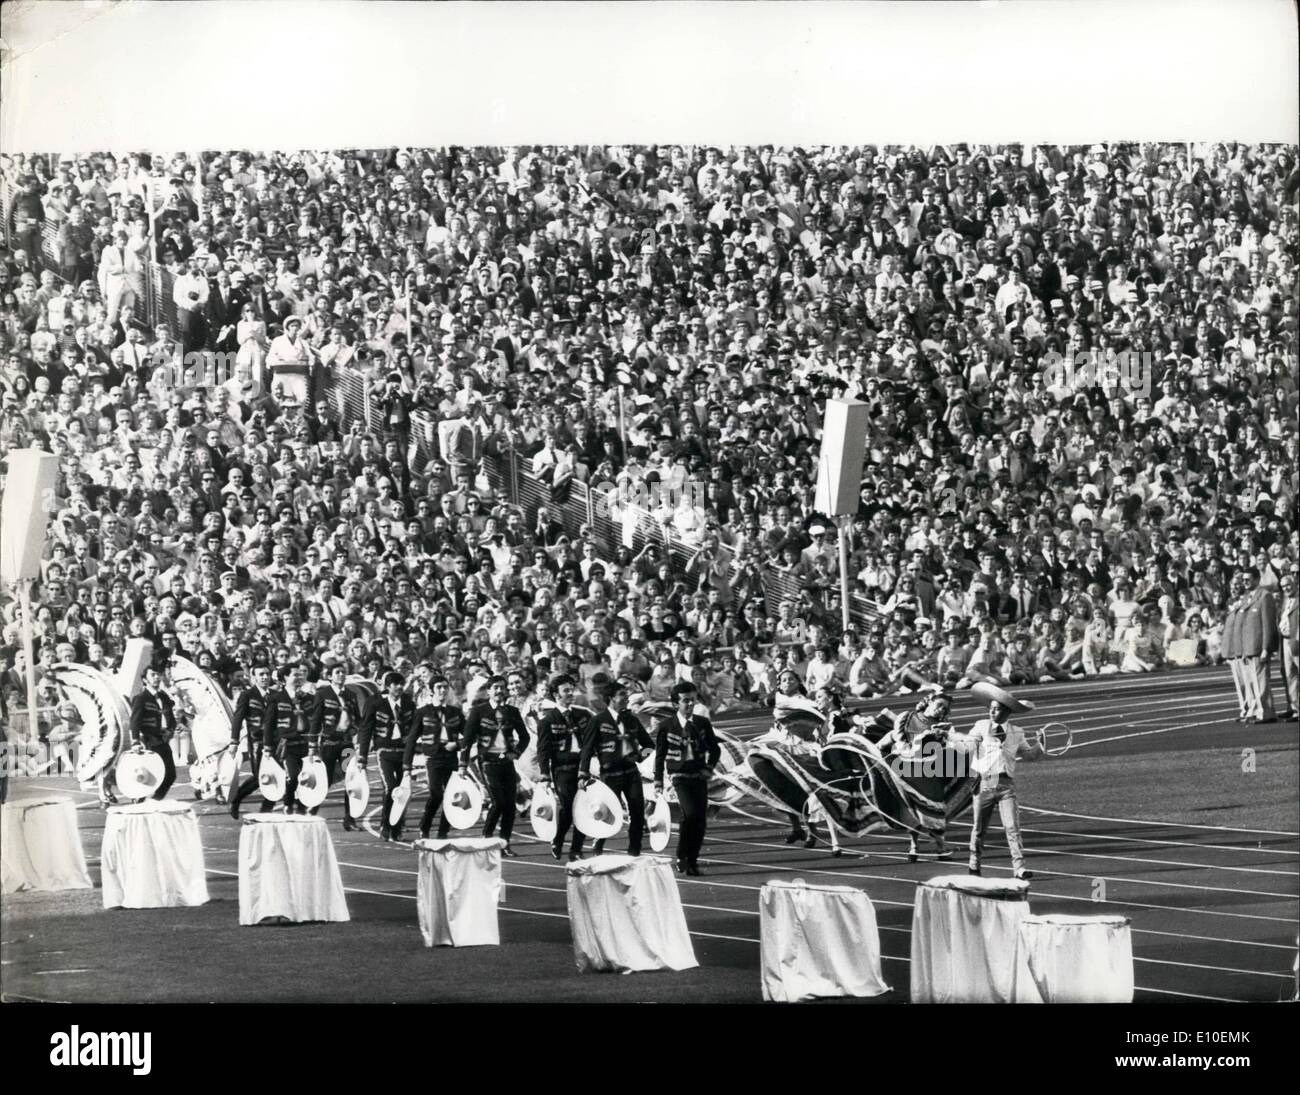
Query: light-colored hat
[542, 814]
[659, 823]
[401, 796]
[138, 774]
[462, 801]
[313, 782]
[270, 779]
[597, 811]
[357, 787]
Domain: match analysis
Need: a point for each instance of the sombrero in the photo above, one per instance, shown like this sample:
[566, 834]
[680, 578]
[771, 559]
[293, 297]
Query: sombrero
[597, 811]
[270, 778]
[313, 782]
[462, 801]
[138, 774]
[995, 694]
[358, 789]
[228, 766]
[542, 815]
[659, 822]
[401, 796]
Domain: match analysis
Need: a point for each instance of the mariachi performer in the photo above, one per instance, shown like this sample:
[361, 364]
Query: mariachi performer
[153, 724]
[285, 731]
[559, 745]
[616, 737]
[686, 746]
[334, 720]
[435, 735]
[798, 727]
[498, 731]
[384, 727]
[995, 744]
[913, 739]
[250, 710]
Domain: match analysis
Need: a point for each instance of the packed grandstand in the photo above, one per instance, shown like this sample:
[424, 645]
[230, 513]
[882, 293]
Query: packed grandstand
[540, 410]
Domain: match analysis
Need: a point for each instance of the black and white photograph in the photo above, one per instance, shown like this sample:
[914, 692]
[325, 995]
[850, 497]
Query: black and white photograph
[795, 535]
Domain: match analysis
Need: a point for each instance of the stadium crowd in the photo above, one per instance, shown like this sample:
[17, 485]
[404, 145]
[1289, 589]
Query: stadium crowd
[663, 324]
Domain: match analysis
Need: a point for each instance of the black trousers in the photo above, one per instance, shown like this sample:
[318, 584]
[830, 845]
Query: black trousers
[626, 783]
[164, 750]
[566, 789]
[331, 756]
[439, 771]
[693, 798]
[250, 784]
[502, 781]
[293, 758]
[390, 772]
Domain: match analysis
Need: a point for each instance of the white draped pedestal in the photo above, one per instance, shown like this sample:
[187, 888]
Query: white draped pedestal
[966, 939]
[818, 941]
[287, 869]
[458, 888]
[1075, 960]
[626, 915]
[152, 857]
[40, 847]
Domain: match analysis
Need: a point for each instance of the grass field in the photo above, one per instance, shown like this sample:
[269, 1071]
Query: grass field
[1169, 811]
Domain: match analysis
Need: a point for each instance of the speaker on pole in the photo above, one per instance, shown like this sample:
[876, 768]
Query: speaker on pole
[28, 505]
[844, 447]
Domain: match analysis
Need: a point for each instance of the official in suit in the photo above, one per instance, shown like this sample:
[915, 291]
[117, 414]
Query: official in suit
[334, 721]
[1260, 640]
[153, 723]
[435, 736]
[384, 726]
[497, 730]
[1230, 646]
[250, 710]
[994, 745]
[686, 746]
[559, 745]
[616, 738]
[1289, 627]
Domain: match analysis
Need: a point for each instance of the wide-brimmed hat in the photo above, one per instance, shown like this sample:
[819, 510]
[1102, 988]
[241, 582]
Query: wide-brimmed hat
[270, 778]
[993, 693]
[597, 811]
[313, 782]
[401, 796]
[357, 787]
[138, 774]
[462, 801]
[542, 813]
[659, 823]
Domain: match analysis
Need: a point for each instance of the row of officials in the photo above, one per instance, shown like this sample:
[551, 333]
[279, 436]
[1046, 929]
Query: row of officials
[290, 722]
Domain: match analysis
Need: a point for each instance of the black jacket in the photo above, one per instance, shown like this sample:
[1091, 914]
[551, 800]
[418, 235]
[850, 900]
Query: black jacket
[500, 729]
[250, 709]
[284, 722]
[380, 730]
[333, 718]
[432, 729]
[153, 719]
[560, 735]
[615, 739]
[673, 743]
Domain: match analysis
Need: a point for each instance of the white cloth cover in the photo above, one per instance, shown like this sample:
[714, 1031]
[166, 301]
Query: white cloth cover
[41, 847]
[818, 941]
[626, 914]
[152, 857]
[1075, 960]
[287, 868]
[458, 889]
[965, 939]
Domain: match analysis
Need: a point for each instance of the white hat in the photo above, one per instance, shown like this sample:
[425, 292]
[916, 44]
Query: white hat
[270, 778]
[313, 782]
[358, 789]
[542, 814]
[1000, 695]
[401, 796]
[138, 774]
[659, 823]
[228, 768]
[597, 811]
[817, 530]
[462, 801]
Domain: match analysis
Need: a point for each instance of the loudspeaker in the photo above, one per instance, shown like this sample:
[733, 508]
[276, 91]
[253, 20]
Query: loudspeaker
[29, 503]
[839, 468]
[136, 659]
